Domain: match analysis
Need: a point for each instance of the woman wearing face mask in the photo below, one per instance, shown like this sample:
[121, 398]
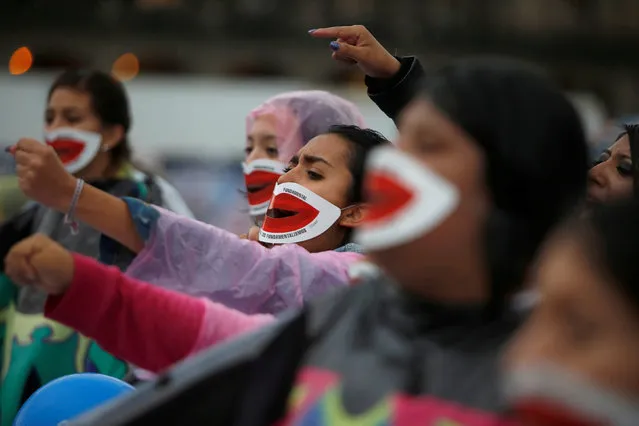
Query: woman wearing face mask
[455, 217]
[87, 119]
[614, 175]
[575, 361]
[164, 327]
[278, 128]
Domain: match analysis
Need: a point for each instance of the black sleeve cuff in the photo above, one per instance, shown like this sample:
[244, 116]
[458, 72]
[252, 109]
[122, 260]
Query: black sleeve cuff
[378, 85]
[392, 94]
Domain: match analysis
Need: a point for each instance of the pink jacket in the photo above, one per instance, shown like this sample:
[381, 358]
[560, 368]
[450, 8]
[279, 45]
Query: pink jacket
[146, 325]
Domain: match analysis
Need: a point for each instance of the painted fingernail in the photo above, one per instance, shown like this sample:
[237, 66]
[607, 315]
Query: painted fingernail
[312, 31]
[334, 45]
[10, 149]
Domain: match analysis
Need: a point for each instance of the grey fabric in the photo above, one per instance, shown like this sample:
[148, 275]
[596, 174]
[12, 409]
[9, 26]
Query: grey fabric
[350, 248]
[86, 242]
[414, 347]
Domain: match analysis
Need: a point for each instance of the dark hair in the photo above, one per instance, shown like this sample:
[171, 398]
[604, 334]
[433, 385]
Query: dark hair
[609, 236]
[632, 130]
[108, 100]
[362, 142]
[517, 116]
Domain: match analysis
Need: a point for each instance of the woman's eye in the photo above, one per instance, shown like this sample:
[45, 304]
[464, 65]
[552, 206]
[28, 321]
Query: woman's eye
[73, 120]
[287, 169]
[625, 169]
[248, 150]
[272, 152]
[313, 175]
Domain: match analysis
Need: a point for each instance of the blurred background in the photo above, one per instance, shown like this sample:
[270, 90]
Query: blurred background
[194, 68]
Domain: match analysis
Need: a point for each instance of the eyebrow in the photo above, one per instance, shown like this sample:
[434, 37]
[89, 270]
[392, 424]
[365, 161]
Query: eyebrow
[608, 152]
[311, 159]
[266, 138]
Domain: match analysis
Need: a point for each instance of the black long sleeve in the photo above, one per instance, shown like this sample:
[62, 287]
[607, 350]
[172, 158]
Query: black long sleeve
[393, 94]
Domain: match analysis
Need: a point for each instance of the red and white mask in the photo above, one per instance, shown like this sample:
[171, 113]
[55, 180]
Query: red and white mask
[297, 214]
[405, 200]
[543, 395]
[75, 148]
[260, 177]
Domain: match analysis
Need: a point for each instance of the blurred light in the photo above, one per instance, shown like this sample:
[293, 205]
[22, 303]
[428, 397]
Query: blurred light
[126, 67]
[20, 61]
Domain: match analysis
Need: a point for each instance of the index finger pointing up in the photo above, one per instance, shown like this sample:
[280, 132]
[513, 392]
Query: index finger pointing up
[335, 32]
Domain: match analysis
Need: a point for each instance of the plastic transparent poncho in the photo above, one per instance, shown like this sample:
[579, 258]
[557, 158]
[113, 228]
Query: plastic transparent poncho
[302, 115]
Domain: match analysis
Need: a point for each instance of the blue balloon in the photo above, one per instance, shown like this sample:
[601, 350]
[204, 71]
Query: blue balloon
[67, 397]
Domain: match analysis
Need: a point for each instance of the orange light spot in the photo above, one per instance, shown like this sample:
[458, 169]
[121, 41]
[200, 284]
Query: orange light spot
[21, 61]
[126, 67]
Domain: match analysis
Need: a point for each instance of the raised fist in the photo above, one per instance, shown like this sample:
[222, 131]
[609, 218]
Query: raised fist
[41, 262]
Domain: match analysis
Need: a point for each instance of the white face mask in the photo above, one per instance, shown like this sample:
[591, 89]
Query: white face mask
[76, 148]
[260, 177]
[407, 200]
[300, 215]
[550, 396]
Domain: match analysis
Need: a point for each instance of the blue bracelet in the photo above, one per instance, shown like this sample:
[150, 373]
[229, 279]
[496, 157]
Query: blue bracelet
[68, 218]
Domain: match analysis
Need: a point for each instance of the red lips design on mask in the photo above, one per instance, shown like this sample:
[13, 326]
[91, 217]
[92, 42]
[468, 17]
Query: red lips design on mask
[260, 185]
[298, 214]
[386, 197]
[68, 150]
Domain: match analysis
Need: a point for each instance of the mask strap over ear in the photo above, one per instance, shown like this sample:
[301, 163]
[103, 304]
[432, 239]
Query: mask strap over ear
[350, 206]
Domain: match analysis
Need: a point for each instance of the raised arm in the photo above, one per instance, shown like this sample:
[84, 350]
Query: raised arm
[392, 82]
[42, 178]
[140, 323]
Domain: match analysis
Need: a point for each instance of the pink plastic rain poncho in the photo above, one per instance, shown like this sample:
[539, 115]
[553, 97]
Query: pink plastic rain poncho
[202, 260]
[302, 115]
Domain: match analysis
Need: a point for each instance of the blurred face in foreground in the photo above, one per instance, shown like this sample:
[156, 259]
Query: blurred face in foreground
[428, 202]
[575, 361]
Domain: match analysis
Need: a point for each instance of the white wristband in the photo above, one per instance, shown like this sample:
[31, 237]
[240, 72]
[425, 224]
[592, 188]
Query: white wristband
[68, 218]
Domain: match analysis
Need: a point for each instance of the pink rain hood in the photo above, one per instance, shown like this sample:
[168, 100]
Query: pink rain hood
[302, 115]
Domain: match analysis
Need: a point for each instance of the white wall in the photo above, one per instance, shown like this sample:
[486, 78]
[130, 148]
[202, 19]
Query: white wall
[184, 116]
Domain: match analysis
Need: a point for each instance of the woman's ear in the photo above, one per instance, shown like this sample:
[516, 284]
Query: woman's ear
[353, 216]
[112, 136]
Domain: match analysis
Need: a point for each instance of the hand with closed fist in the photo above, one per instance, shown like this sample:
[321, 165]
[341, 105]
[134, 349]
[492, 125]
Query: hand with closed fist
[42, 176]
[356, 45]
[41, 262]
